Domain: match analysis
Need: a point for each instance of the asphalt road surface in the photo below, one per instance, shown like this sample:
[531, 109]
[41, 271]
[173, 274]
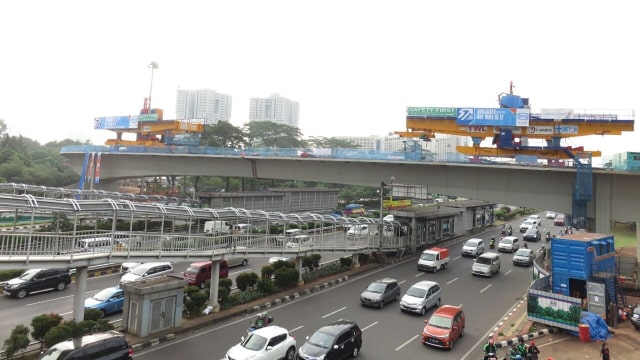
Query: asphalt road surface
[387, 333]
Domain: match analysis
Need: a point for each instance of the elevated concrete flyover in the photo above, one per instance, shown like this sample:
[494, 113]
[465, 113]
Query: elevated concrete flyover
[615, 195]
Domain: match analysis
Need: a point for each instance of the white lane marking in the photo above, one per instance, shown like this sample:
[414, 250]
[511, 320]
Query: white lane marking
[485, 289]
[240, 271]
[402, 282]
[46, 301]
[337, 311]
[419, 274]
[508, 272]
[456, 258]
[368, 326]
[298, 328]
[406, 342]
[67, 313]
[452, 281]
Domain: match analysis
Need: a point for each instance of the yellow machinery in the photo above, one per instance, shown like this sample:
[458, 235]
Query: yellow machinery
[160, 133]
[549, 124]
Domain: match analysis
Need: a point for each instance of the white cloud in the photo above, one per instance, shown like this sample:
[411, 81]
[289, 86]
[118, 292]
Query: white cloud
[353, 66]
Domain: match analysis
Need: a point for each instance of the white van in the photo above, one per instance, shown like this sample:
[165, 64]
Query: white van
[217, 227]
[360, 229]
[96, 244]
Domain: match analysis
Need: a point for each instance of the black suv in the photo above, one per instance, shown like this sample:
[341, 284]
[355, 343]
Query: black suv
[337, 340]
[34, 280]
[380, 292]
[110, 345]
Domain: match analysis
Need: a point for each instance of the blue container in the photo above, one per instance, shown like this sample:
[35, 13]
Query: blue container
[578, 258]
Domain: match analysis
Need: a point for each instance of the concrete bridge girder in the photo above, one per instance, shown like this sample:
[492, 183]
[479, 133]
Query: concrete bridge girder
[615, 193]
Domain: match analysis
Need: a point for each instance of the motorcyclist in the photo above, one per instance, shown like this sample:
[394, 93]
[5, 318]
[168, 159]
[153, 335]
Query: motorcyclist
[503, 231]
[509, 230]
[489, 348]
[526, 246]
[533, 350]
[513, 353]
[521, 349]
[492, 242]
[261, 321]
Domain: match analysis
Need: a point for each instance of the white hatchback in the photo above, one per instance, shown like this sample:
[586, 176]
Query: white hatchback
[268, 343]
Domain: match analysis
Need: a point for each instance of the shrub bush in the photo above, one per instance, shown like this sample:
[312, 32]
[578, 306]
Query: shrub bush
[286, 277]
[316, 260]
[266, 286]
[225, 283]
[363, 258]
[9, 274]
[267, 272]
[18, 340]
[246, 281]
[191, 290]
[346, 262]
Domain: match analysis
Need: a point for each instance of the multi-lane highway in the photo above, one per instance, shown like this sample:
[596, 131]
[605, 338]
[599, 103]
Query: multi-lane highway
[388, 333]
[20, 311]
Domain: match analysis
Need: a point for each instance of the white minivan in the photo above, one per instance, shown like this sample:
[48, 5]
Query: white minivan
[473, 247]
[217, 227]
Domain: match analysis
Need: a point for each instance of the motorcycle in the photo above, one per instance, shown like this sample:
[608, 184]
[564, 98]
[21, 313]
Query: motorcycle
[509, 231]
[547, 237]
[492, 243]
[260, 322]
[491, 356]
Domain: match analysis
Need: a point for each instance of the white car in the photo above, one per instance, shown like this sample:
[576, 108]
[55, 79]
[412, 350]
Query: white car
[550, 215]
[300, 240]
[535, 218]
[268, 343]
[147, 271]
[509, 244]
[526, 225]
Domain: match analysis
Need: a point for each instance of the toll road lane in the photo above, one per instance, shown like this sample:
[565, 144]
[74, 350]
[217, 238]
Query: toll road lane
[389, 333]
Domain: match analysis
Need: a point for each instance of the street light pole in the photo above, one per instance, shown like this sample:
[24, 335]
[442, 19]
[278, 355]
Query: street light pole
[153, 66]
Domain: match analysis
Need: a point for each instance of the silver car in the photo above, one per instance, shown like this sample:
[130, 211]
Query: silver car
[380, 292]
[421, 297]
[509, 244]
[524, 257]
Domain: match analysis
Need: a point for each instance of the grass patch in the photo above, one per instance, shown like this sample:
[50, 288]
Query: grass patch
[624, 235]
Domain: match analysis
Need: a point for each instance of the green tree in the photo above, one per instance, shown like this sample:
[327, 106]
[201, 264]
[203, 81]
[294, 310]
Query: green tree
[223, 134]
[330, 143]
[57, 334]
[18, 340]
[3, 127]
[41, 324]
[270, 134]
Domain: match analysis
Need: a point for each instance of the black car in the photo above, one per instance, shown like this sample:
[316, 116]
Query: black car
[635, 318]
[110, 345]
[531, 235]
[340, 339]
[34, 280]
[380, 292]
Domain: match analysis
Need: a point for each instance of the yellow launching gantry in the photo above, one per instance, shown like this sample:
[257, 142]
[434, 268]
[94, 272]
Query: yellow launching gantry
[513, 123]
[159, 133]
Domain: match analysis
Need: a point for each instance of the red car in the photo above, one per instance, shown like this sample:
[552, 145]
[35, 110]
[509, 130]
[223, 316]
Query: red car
[444, 327]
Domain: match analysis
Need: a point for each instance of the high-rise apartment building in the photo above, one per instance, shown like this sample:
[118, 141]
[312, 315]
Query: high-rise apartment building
[205, 104]
[276, 109]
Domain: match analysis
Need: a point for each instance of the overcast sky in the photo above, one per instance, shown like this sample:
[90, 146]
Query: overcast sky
[354, 66]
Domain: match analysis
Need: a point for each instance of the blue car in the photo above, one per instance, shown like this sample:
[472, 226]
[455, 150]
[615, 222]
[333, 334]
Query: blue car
[109, 301]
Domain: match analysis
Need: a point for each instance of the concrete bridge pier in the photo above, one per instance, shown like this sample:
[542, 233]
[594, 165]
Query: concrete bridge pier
[602, 205]
[213, 287]
[356, 260]
[299, 268]
[82, 274]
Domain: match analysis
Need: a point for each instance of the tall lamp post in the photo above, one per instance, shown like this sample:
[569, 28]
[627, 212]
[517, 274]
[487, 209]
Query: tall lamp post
[153, 66]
